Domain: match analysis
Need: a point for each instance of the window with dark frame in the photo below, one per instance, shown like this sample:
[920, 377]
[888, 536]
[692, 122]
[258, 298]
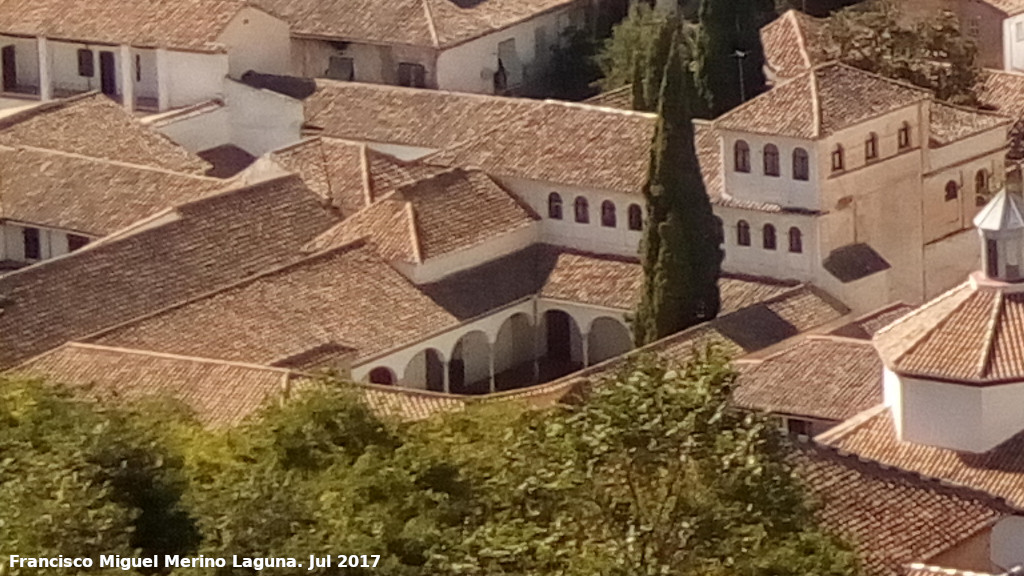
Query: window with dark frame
[743, 233]
[741, 156]
[412, 75]
[138, 68]
[903, 137]
[838, 159]
[771, 160]
[582, 210]
[342, 68]
[796, 241]
[33, 249]
[952, 191]
[636, 217]
[608, 214]
[768, 240]
[86, 65]
[76, 242]
[554, 206]
[871, 147]
[798, 427]
[801, 165]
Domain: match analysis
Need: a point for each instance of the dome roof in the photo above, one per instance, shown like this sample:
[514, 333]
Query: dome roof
[1002, 213]
[972, 334]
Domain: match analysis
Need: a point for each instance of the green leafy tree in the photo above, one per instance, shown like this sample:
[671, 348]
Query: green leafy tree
[729, 59]
[573, 69]
[932, 53]
[628, 46]
[681, 250]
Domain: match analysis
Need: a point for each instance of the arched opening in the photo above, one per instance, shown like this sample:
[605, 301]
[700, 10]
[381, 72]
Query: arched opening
[582, 209]
[469, 371]
[563, 346]
[741, 156]
[554, 206]
[743, 233]
[608, 338]
[796, 241]
[952, 190]
[801, 165]
[608, 214]
[382, 375]
[771, 160]
[981, 191]
[425, 371]
[768, 237]
[515, 354]
[871, 147]
[636, 217]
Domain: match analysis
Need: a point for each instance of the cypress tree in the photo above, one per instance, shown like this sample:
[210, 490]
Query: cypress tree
[729, 27]
[681, 253]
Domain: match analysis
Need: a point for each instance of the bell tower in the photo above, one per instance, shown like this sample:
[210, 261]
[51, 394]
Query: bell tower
[1001, 226]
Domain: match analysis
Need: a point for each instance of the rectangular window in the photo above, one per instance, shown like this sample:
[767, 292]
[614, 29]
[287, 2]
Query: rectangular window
[1019, 31]
[75, 242]
[341, 68]
[798, 427]
[138, 68]
[412, 75]
[85, 63]
[32, 246]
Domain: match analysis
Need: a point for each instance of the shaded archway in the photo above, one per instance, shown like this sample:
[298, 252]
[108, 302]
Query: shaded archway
[608, 338]
[426, 371]
[563, 345]
[382, 375]
[515, 353]
[469, 371]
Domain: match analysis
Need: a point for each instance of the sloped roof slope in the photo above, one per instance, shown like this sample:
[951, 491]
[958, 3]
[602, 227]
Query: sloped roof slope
[792, 43]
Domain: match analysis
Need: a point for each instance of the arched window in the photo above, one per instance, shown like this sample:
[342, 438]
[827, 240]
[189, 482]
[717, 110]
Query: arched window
[796, 241]
[952, 190]
[768, 237]
[636, 217]
[871, 147]
[382, 375]
[801, 165]
[771, 160]
[554, 206]
[741, 156]
[608, 214]
[582, 210]
[743, 233]
[838, 158]
[981, 182]
[903, 138]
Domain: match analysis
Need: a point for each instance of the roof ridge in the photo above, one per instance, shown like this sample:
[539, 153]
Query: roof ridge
[417, 248]
[849, 425]
[985, 361]
[118, 163]
[800, 40]
[815, 104]
[430, 24]
[365, 173]
[170, 356]
[935, 326]
[607, 109]
[919, 309]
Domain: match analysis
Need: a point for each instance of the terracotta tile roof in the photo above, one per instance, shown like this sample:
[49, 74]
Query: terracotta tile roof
[590, 279]
[970, 334]
[432, 217]
[88, 196]
[999, 472]
[621, 98]
[891, 517]
[191, 250]
[347, 296]
[1003, 91]
[746, 330]
[951, 123]
[820, 102]
[219, 393]
[1009, 7]
[431, 119]
[866, 326]
[792, 43]
[73, 125]
[567, 143]
[821, 377]
[193, 25]
[918, 569]
[432, 23]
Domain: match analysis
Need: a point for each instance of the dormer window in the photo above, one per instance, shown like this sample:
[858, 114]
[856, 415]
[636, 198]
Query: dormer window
[801, 165]
[741, 156]
[871, 147]
[838, 158]
[903, 138]
[771, 160]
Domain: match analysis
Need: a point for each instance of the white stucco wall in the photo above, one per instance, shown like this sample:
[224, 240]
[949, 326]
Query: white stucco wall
[52, 242]
[193, 77]
[591, 237]
[756, 186]
[257, 41]
[947, 262]
[1013, 45]
[470, 67]
[434, 269]
[26, 59]
[262, 120]
[779, 263]
[199, 132]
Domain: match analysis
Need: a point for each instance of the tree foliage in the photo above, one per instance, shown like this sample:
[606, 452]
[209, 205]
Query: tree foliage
[729, 57]
[932, 53]
[681, 251]
[630, 43]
